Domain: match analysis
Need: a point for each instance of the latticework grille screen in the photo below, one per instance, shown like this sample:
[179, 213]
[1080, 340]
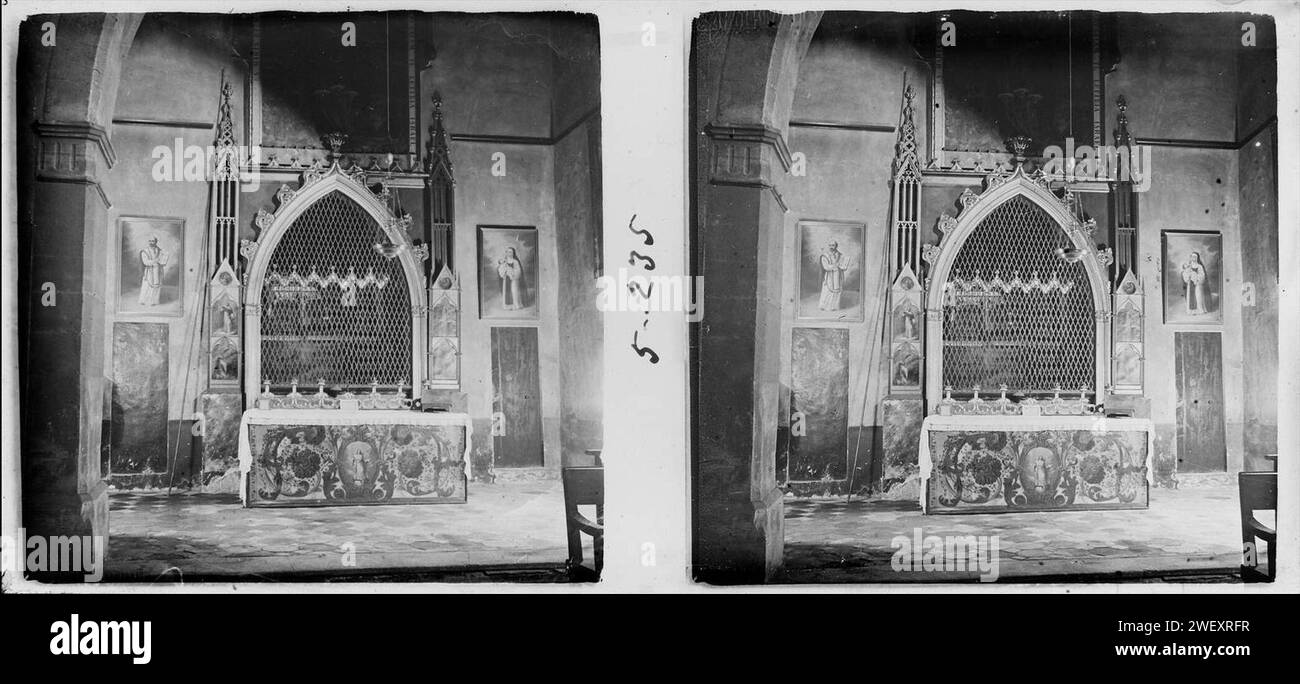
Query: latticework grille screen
[332, 307]
[1015, 312]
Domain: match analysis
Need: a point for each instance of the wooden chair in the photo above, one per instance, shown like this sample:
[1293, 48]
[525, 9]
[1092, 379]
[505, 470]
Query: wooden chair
[584, 486]
[1257, 491]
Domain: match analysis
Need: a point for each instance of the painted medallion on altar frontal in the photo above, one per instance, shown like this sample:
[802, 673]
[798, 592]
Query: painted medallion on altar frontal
[982, 472]
[330, 465]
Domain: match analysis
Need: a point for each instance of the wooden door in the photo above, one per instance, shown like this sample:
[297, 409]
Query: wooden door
[1198, 369]
[516, 398]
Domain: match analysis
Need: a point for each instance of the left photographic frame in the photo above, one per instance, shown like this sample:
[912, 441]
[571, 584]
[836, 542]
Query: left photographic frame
[257, 254]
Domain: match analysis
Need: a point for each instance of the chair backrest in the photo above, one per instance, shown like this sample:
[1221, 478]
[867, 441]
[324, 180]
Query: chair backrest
[1258, 491]
[583, 486]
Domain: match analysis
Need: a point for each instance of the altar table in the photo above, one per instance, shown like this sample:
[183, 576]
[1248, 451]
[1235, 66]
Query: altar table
[993, 464]
[332, 457]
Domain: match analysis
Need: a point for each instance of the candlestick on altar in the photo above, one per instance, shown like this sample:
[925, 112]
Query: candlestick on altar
[976, 404]
[264, 399]
[1003, 404]
[945, 405]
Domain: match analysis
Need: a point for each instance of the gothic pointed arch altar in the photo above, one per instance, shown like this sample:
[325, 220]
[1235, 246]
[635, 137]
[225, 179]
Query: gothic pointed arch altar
[1018, 307]
[340, 198]
[1016, 224]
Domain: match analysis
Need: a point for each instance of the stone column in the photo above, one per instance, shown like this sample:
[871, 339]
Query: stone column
[739, 523]
[63, 282]
[746, 65]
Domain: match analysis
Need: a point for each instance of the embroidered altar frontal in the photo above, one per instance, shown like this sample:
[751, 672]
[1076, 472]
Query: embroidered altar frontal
[353, 458]
[983, 464]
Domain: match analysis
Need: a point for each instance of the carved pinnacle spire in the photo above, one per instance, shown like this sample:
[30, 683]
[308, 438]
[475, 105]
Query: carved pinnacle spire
[225, 164]
[437, 161]
[1122, 135]
[906, 162]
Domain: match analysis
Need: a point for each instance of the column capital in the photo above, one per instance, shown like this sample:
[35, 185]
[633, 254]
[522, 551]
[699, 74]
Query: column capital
[747, 149]
[76, 152]
[80, 130]
[747, 155]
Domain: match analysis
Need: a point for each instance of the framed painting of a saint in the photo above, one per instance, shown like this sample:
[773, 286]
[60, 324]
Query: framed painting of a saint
[1193, 277]
[151, 261]
[829, 274]
[508, 273]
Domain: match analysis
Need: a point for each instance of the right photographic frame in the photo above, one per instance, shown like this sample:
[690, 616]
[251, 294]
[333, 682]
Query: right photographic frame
[992, 296]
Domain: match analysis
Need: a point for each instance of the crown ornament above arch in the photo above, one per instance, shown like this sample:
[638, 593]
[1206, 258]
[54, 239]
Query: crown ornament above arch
[998, 188]
[353, 177]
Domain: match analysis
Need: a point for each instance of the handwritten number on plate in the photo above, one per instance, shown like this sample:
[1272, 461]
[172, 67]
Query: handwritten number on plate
[644, 351]
[646, 238]
[649, 262]
[635, 287]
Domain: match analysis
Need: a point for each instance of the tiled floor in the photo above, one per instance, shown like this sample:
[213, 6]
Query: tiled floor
[1190, 534]
[511, 530]
[515, 531]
